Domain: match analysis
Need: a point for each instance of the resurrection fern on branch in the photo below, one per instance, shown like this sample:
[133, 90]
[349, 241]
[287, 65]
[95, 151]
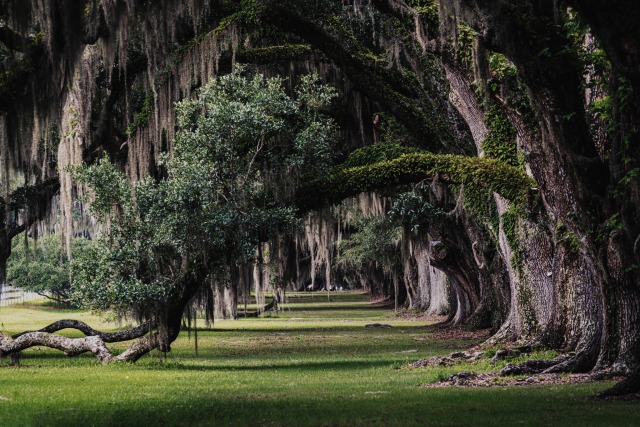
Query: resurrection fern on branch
[387, 165]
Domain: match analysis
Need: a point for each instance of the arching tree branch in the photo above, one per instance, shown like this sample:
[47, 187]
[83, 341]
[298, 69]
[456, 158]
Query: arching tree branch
[490, 174]
[119, 336]
[94, 342]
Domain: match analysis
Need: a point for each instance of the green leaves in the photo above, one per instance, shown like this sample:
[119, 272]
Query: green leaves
[110, 187]
[376, 153]
[373, 239]
[43, 267]
[500, 143]
[414, 212]
[238, 147]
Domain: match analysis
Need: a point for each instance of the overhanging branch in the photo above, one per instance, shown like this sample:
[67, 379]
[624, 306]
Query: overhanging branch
[490, 174]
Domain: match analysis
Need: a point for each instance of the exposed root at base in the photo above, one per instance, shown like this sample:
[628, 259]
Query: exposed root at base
[471, 356]
[531, 372]
[536, 366]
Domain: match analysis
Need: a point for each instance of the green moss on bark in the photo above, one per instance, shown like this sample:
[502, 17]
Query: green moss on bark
[487, 174]
[376, 153]
[269, 54]
[500, 143]
[142, 117]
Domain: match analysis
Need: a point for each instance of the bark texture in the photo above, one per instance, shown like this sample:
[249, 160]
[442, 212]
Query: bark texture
[94, 342]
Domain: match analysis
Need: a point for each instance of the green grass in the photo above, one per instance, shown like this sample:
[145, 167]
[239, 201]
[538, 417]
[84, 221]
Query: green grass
[313, 364]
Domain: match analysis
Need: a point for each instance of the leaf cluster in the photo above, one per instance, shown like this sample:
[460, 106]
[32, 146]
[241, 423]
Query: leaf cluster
[42, 266]
[373, 240]
[238, 142]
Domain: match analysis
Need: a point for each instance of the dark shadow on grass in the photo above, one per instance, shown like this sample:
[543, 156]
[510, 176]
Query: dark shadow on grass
[188, 364]
[292, 331]
[307, 366]
[213, 406]
[339, 307]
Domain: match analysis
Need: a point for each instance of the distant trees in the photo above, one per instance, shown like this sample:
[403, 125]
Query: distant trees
[42, 266]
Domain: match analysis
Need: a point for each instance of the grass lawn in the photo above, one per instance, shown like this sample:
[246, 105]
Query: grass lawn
[314, 364]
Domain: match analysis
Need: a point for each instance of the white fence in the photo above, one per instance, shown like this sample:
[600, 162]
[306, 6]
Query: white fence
[10, 295]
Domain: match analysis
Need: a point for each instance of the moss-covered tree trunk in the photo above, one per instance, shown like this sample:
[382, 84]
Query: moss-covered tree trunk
[596, 296]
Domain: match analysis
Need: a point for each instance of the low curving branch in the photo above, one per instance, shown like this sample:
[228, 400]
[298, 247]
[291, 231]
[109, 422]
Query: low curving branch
[70, 346]
[490, 174]
[94, 342]
[118, 336]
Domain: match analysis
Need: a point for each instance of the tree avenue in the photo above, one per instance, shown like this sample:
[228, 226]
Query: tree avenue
[479, 160]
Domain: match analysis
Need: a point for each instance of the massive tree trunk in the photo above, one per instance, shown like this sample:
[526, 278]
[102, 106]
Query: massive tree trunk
[572, 286]
[596, 296]
[615, 26]
[5, 252]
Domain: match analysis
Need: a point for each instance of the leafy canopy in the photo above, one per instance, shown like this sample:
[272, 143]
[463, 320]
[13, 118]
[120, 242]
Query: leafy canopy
[42, 266]
[228, 185]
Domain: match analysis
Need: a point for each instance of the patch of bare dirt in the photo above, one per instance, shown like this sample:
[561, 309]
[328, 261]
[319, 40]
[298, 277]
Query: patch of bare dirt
[472, 355]
[450, 360]
[471, 379]
[461, 334]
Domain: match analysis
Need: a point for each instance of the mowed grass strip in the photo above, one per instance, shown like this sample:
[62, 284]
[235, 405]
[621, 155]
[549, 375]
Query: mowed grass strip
[313, 364]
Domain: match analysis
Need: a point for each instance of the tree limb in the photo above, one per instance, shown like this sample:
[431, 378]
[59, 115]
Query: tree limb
[70, 346]
[490, 174]
[119, 336]
[273, 304]
[94, 342]
[13, 40]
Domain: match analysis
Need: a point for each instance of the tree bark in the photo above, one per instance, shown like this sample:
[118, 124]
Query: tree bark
[595, 291]
[94, 342]
[107, 337]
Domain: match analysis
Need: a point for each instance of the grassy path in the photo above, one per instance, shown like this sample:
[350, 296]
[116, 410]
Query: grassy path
[315, 364]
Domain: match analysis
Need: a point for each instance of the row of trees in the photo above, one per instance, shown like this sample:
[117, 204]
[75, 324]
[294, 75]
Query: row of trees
[539, 241]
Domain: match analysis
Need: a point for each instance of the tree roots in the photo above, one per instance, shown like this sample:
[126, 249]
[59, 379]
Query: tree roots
[536, 366]
[546, 371]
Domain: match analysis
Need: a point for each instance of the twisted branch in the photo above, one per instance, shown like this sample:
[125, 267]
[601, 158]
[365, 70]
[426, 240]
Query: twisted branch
[94, 342]
[125, 335]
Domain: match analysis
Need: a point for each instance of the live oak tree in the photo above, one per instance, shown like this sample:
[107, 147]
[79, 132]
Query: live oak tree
[240, 144]
[548, 88]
